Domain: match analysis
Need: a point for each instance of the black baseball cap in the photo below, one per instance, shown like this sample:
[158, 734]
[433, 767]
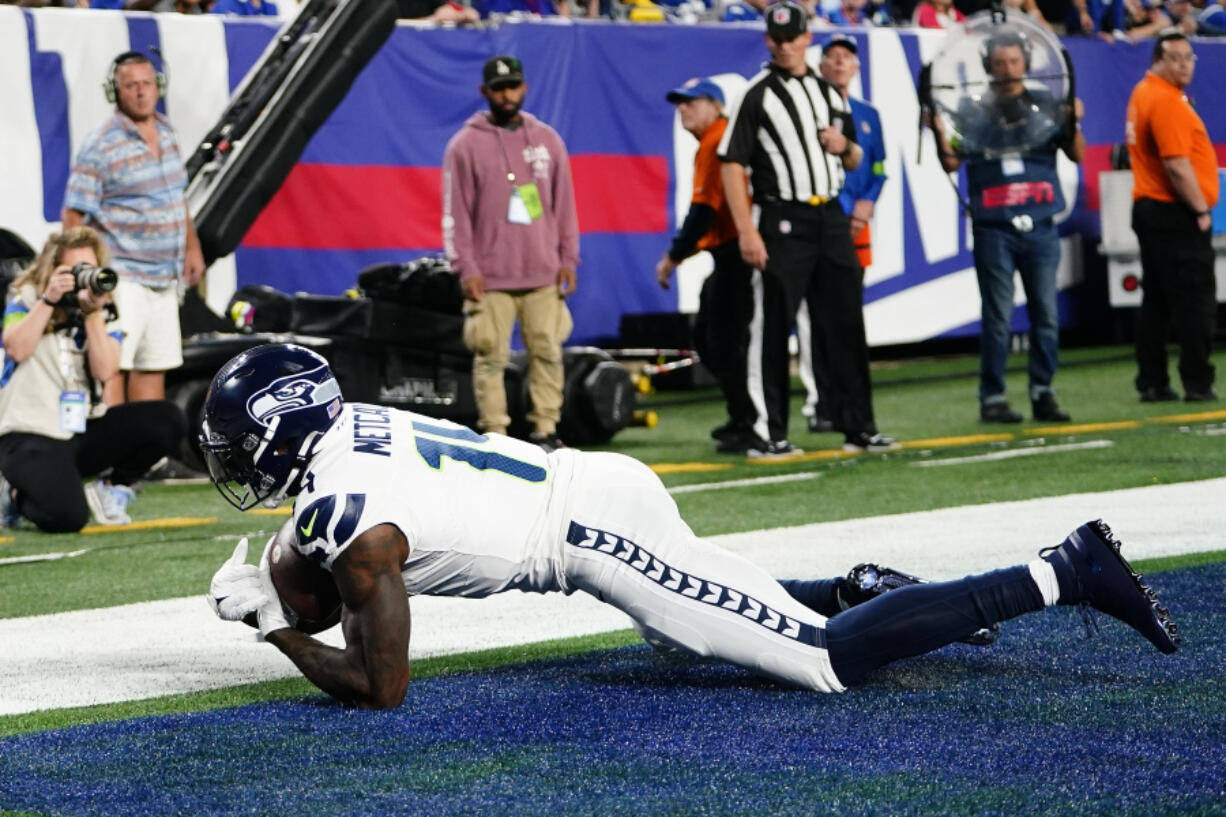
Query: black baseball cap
[499, 72]
[840, 41]
[786, 20]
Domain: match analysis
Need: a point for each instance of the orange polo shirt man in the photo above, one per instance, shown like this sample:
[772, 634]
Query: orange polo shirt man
[1175, 185]
[721, 328]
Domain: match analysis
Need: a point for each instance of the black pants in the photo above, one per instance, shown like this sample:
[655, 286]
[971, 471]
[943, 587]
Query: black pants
[811, 257]
[721, 330]
[1178, 291]
[47, 473]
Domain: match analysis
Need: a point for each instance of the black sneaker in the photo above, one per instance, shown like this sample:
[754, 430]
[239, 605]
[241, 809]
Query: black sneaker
[998, 412]
[820, 425]
[773, 450]
[727, 431]
[1091, 571]
[1195, 396]
[868, 581]
[1158, 394]
[1047, 410]
[738, 443]
[548, 443]
[860, 442]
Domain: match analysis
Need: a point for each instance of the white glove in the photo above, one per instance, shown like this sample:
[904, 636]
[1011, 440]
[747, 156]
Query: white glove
[271, 613]
[236, 590]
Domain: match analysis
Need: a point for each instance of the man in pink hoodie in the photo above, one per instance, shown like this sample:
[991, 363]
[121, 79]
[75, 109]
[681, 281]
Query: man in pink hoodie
[511, 233]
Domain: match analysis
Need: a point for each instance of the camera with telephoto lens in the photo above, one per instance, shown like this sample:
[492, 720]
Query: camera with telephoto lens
[96, 279]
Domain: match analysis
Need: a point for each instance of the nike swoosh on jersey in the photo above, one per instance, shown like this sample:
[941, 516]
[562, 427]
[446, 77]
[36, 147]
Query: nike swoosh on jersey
[310, 526]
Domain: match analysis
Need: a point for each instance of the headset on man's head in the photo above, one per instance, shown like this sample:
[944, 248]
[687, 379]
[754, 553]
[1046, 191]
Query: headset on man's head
[110, 86]
[1005, 39]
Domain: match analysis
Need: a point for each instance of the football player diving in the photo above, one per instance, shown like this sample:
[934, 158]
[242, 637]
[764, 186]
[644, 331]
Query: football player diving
[395, 504]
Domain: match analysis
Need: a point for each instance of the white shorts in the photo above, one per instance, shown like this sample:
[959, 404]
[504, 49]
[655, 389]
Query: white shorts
[627, 545]
[149, 320]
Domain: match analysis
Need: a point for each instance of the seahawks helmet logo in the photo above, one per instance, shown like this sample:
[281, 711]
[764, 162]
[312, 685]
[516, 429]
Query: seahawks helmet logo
[294, 393]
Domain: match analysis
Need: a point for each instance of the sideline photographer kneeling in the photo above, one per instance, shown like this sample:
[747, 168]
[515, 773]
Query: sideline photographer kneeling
[54, 428]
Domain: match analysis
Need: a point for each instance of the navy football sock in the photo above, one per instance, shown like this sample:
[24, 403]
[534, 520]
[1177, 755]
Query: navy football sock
[923, 617]
[819, 595]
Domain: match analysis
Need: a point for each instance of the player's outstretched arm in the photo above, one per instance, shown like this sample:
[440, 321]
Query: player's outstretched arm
[372, 671]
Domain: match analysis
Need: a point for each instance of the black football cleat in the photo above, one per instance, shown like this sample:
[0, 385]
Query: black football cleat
[867, 581]
[1091, 571]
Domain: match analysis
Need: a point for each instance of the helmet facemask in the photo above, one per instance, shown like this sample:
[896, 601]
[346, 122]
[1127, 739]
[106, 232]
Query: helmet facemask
[233, 470]
[264, 417]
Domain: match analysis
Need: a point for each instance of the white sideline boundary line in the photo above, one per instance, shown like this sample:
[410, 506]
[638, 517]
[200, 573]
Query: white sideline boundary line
[42, 557]
[161, 648]
[1014, 452]
[742, 483]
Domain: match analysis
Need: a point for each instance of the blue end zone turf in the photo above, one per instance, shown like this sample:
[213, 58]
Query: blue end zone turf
[1042, 723]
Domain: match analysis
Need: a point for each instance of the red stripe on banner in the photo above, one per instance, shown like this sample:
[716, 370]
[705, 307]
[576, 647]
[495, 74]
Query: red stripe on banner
[1096, 160]
[346, 207]
[621, 194]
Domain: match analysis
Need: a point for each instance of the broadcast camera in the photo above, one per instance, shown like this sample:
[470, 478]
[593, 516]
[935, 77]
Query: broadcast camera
[96, 279]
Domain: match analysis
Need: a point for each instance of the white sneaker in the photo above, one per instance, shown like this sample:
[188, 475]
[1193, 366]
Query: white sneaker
[773, 450]
[109, 502]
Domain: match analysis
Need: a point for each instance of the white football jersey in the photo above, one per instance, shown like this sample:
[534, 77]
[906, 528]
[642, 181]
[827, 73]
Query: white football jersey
[475, 508]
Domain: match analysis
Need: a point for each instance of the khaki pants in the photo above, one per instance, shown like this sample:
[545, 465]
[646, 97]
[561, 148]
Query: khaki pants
[544, 323]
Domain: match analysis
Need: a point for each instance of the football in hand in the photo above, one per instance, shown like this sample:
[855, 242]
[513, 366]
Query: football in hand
[305, 588]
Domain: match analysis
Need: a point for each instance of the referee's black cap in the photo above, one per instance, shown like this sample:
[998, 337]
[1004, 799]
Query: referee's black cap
[786, 20]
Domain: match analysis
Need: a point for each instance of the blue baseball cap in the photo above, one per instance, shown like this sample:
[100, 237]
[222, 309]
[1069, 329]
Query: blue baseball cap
[840, 41]
[696, 88]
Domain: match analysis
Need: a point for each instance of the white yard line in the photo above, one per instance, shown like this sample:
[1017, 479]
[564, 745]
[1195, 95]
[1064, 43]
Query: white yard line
[160, 648]
[1015, 452]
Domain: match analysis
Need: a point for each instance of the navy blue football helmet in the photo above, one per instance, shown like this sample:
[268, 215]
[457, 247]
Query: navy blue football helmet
[264, 414]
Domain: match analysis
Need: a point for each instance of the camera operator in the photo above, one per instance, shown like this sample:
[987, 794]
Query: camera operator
[54, 428]
[1008, 138]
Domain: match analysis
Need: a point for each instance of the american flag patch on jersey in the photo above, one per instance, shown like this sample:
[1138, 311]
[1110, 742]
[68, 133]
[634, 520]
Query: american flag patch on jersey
[701, 590]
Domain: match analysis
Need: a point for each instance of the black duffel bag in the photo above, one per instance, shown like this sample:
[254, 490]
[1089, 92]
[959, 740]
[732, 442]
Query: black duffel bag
[427, 283]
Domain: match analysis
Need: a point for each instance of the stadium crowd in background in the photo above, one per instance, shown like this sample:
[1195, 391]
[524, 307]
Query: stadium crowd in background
[128, 183]
[244, 8]
[936, 14]
[1129, 20]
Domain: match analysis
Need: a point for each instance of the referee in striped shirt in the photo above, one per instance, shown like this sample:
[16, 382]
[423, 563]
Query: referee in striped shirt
[794, 133]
